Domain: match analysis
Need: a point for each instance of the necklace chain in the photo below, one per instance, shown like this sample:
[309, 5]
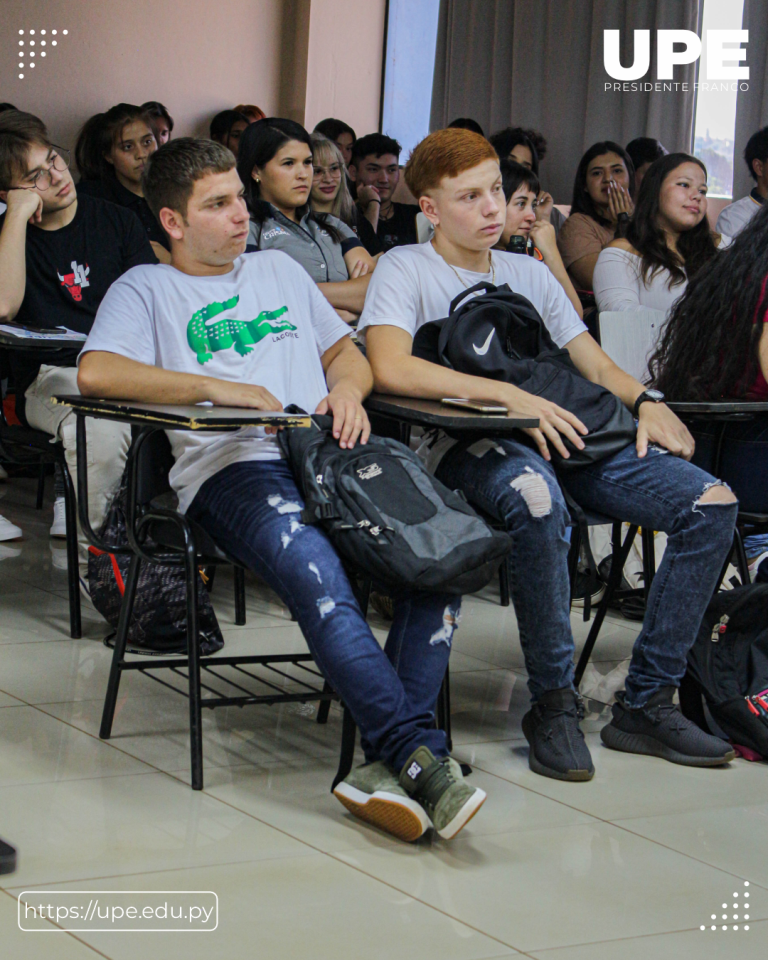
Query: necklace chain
[491, 264]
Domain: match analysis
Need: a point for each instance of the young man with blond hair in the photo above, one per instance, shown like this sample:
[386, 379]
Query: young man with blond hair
[455, 176]
[154, 340]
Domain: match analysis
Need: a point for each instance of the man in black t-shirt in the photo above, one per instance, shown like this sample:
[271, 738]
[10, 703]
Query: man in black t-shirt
[375, 171]
[59, 254]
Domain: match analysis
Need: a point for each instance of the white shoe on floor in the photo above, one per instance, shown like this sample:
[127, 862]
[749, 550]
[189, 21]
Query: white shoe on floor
[8, 530]
[59, 527]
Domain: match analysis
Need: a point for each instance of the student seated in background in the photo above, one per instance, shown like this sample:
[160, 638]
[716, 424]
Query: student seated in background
[715, 347]
[110, 153]
[330, 193]
[668, 240]
[455, 174]
[250, 111]
[519, 146]
[466, 123]
[59, 253]
[737, 215]
[237, 486]
[643, 151]
[375, 170]
[227, 127]
[341, 134]
[160, 119]
[602, 199]
[276, 165]
[521, 220]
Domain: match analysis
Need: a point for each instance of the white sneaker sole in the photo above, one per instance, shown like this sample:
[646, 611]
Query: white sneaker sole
[464, 815]
[395, 814]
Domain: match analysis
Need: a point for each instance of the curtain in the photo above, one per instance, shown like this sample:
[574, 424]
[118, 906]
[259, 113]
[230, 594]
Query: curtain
[539, 64]
[752, 104]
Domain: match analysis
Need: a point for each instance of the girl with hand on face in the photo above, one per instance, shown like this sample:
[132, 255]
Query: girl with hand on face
[111, 152]
[667, 241]
[602, 204]
[276, 165]
[525, 231]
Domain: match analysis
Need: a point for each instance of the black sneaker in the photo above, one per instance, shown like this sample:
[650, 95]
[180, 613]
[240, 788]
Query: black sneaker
[558, 748]
[659, 729]
[7, 857]
[587, 585]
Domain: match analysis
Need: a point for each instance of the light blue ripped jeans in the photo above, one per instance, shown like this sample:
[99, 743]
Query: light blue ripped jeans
[253, 511]
[511, 481]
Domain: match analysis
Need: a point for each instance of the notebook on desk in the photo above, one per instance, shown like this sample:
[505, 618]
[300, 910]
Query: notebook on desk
[29, 333]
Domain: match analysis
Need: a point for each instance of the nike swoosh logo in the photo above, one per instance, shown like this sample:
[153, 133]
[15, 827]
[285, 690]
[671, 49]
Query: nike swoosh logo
[481, 351]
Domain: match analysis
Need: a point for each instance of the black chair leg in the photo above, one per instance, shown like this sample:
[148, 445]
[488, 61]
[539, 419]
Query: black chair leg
[573, 558]
[444, 709]
[73, 561]
[239, 596]
[649, 560]
[504, 592]
[118, 654]
[346, 759]
[742, 563]
[193, 668]
[324, 707]
[620, 554]
[40, 487]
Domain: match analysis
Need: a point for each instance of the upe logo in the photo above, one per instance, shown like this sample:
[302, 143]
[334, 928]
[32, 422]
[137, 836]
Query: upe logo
[667, 57]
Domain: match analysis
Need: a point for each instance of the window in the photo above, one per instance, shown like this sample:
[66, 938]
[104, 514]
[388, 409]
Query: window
[716, 109]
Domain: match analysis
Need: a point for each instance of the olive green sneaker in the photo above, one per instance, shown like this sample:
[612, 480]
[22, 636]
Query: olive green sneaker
[372, 793]
[440, 788]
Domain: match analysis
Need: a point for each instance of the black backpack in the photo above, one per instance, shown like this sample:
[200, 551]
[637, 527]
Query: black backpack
[160, 609]
[728, 666]
[499, 335]
[389, 518]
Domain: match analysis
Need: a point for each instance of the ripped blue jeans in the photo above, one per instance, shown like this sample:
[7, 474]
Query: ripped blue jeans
[252, 509]
[511, 481]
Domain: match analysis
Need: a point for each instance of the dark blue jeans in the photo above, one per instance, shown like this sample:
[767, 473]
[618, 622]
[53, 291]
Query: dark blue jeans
[511, 481]
[252, 510]
[743, 461]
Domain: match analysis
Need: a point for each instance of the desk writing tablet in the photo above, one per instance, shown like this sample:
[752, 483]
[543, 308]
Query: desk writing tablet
[715, 407]
[432, 413]
[180, 417]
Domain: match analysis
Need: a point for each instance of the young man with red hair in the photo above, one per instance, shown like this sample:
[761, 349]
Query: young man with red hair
[455, 175]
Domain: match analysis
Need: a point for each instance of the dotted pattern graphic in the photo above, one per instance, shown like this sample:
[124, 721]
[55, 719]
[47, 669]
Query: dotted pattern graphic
[742, 914]
[35, 46]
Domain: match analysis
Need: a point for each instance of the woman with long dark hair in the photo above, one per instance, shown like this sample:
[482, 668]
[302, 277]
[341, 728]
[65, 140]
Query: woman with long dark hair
[111, 151]
[603, 192]
[275, 163]
[668, 239]
[715, 347]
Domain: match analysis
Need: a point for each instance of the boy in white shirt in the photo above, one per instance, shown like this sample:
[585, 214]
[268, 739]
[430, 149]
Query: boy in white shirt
[455, 174]
[254, 331]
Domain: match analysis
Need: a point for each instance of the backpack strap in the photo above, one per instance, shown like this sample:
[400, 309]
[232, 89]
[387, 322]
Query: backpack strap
[483, 285]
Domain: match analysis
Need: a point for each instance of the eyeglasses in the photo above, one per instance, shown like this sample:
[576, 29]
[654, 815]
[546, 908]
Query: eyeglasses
[334, 172]
[42, 179]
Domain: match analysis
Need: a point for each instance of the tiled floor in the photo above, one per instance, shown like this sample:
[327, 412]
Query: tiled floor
[631, 864]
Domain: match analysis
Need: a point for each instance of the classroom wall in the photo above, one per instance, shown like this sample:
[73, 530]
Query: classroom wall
[303, 58]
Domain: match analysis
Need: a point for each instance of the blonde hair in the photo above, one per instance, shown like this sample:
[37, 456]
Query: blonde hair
[324, 153]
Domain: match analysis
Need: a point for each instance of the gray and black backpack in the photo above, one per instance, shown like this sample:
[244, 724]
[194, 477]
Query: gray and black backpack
[387, 517]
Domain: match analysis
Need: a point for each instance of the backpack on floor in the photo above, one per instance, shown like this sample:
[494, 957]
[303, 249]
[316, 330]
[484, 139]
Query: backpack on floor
[728, 666]
[499, 335]
[389, 518]
[159, 611]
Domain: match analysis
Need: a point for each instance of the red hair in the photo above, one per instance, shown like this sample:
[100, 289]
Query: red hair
[445, 153]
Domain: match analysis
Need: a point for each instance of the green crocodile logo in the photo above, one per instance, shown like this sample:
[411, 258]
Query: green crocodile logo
[207, 338]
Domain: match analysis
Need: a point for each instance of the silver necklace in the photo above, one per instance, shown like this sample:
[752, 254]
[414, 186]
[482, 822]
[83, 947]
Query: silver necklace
[461, 279]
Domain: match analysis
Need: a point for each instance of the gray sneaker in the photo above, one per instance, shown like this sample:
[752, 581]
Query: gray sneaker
[440, 788]
[372, 793]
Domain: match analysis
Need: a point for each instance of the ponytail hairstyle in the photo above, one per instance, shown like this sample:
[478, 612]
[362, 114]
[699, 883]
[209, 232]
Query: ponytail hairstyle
[709, 345]
[696, 246]
[259, 144]
[98, 136]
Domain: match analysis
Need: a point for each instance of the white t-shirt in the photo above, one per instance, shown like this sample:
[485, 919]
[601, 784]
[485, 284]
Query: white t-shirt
[737, 215]
[160, 316]
[619, 285]
[413, 285]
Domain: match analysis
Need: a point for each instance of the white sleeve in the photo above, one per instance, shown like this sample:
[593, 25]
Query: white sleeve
[124, 322]
[392, 298]
[559, 316]
[724, 223]
[616, 282]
